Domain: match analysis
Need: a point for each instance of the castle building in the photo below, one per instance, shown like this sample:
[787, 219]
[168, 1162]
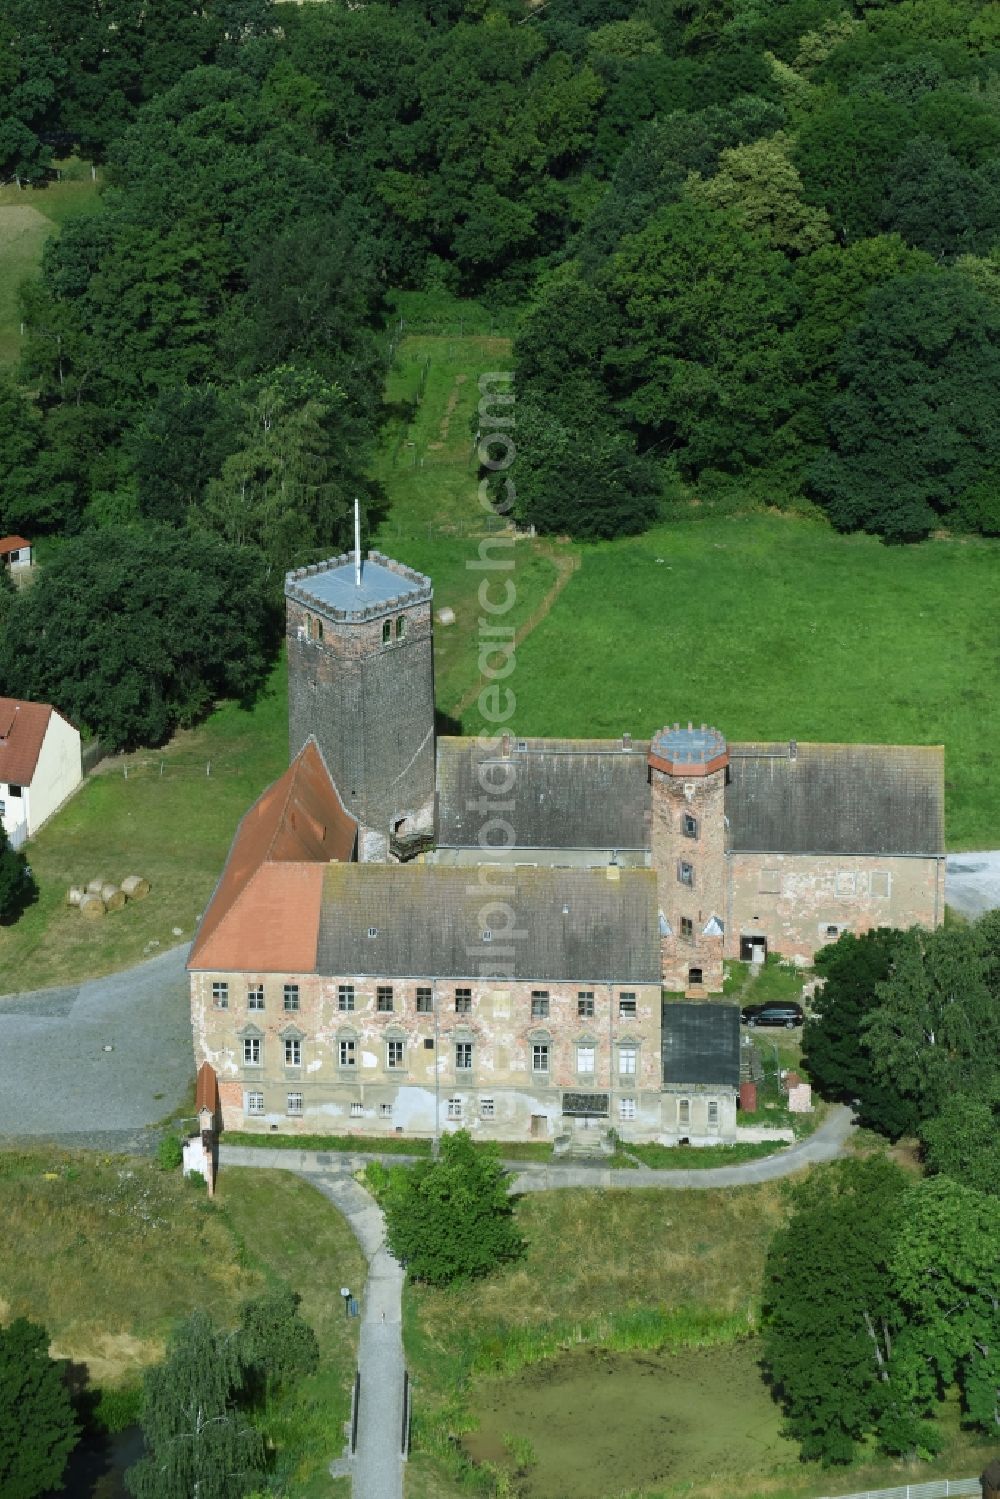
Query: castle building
[524, 937]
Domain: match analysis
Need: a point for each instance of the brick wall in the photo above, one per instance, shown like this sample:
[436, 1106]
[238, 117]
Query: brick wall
[673, 798]
[800, 902]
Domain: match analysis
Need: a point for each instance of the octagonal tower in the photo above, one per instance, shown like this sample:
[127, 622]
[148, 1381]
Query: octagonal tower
[687, 775]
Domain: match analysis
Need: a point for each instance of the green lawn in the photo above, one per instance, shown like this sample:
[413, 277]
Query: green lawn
[27, 218]
[774, 627]
[173, 825]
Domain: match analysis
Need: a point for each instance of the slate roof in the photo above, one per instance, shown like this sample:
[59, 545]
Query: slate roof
[22, 730]
[836, 799]
[701, 1043]
[571, 924]
[264, 914]
[566, 793]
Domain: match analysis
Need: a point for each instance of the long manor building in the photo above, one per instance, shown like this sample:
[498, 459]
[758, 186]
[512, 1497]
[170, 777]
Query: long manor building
[521, 936]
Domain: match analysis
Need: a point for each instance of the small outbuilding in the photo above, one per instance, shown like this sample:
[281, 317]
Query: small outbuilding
[15, 552]
[701, 1071]
[990, 1479]
[40, 765]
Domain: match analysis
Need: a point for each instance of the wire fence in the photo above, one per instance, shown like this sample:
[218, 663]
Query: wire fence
[938, 1488]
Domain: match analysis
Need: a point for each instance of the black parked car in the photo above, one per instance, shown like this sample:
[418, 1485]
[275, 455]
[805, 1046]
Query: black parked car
[778, 1012]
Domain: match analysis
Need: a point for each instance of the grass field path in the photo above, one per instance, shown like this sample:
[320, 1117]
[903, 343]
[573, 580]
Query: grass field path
[565, 564]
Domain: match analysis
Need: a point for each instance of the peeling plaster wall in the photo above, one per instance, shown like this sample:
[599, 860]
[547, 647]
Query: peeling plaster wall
[499, 1026]
[801, 902]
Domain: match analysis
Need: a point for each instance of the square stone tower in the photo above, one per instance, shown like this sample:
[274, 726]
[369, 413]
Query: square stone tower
[687, 775]
[361, 679]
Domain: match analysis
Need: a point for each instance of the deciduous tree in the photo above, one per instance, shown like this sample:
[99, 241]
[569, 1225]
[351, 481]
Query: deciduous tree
[451, 1219]
[199, 1443]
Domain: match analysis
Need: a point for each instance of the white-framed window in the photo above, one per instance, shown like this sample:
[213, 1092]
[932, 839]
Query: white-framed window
[585, 1058]
[626, 1108]
[627, 1058]
[383, 999]
[294, 1103]
[385, 1111]
[15, 791]
[539, 1004]
[347, 1052]
[425, 1001]
[684, 1111]
[220, 994]
[395, 1054]
[713, 1113]
[463, 1001]
[251, 1051]
[540, 1056]
[454, 1108]
[255, 997]
[626, 1006]
[290, 996]
[463, 1056]
[293, 1051]
[357, 1111]
[487, 1108]
[488, 935]
[585, 1004]
[253, 1101]
[345, 997]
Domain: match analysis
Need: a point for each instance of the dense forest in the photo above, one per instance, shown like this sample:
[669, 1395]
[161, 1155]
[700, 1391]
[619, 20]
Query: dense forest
[749, 249]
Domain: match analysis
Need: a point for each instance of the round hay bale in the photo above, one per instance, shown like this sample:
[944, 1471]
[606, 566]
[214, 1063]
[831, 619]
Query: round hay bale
[135, 887]
[74, 895]
[113, 898]
[92, 905]
[95, 886]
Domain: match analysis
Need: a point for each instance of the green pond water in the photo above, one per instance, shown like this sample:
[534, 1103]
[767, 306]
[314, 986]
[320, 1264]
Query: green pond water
[600, 1423]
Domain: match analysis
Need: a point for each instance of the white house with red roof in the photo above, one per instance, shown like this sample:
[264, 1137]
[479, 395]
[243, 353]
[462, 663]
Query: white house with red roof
[39, 765]
[15, 552]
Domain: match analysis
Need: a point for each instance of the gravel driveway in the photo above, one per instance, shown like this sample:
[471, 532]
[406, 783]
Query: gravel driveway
[972, 882]
[59, 1080]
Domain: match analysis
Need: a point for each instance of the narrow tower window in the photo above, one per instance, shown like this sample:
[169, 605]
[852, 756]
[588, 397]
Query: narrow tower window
[400, 627]
[386, 631]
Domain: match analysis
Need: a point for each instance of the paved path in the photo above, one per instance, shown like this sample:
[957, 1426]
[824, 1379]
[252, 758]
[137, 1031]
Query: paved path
[972, 882]
[377, 1469]
[58, 1080]
[825, 1144]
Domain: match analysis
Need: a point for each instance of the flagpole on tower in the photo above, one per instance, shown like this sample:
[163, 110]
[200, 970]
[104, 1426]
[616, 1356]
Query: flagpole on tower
[357, 545]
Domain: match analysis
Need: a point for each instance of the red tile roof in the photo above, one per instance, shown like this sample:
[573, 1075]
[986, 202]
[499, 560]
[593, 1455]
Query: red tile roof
[22, 729]
[265, 912]
[206, 1093]
[12, 544]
